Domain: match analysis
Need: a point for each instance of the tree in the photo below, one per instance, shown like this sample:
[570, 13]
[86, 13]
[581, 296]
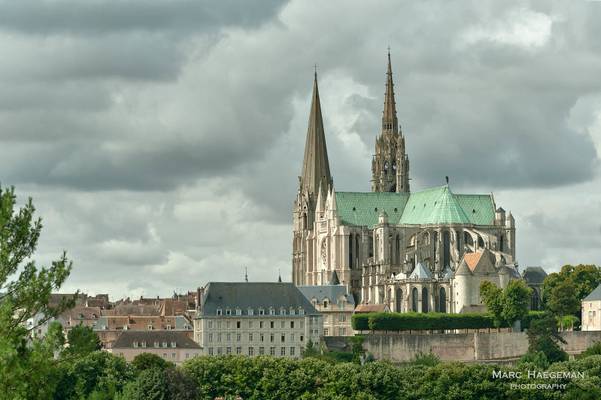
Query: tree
[492, 297]
[516, 298]
[544, 337]
[508, 305]
[25, 292]
[585, 278]
[145, 361]
[82, 340]
[563, 300]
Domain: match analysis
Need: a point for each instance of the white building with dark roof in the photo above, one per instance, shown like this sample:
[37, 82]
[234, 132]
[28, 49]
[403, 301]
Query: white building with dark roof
[591, 311]
[255, 318]
[172, 346]
[335, 303]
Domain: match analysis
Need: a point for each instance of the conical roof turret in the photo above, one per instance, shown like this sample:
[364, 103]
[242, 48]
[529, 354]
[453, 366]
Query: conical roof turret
[316, 167]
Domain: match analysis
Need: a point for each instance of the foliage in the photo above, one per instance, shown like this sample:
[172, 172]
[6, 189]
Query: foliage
[583, 279]
[82, 340]
[357, 348]
[161, 384]
[26, 365]
[593, 350]
[568, 322]
[145, 361]
[543, 337]
[562, 299]
[516, 298]
[360, 322]
[492, 297]
[99, 372]
[427, 359]
[310, 350]
[506, 305]
[537, 359]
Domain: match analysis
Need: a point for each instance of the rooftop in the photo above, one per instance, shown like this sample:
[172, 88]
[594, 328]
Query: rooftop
[181, 339]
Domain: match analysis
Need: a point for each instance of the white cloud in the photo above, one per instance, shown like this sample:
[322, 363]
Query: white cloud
[519, 27]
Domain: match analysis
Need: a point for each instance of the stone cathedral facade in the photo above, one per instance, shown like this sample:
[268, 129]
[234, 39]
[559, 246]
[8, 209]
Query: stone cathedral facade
[426, 250]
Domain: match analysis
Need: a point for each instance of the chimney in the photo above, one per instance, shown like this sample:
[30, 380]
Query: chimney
[199, 295]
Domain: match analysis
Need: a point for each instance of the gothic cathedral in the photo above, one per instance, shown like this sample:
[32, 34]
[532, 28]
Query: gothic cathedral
[412, 251]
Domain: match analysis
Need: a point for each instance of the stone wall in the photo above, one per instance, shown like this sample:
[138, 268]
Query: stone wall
[476, 346]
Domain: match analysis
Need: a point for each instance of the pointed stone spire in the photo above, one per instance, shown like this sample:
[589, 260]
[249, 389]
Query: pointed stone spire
[316, 168]
[334, 279]
[389, 118]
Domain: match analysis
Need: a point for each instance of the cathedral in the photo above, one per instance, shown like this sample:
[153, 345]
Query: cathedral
[425, 250]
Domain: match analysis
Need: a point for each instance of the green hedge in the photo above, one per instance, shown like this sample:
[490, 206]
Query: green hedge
[428, 321]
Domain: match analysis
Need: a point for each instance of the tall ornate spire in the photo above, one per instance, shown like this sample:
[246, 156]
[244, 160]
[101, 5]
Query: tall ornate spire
[316, 168]
[389, 118]
[390, 165]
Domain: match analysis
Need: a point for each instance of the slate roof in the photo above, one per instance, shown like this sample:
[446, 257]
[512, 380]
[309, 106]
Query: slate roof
[331, 292]
[420, 272]
[255, 296]
[181, 339]
[438, 205]
[367, 308]
[534, 275]
[594, 295]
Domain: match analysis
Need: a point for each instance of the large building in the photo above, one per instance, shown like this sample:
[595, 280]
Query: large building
[424, 251]
[335, 303]
[255, 318]
[591, 311]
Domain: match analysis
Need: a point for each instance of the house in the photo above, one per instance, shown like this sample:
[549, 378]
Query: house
[591, 311]
[172, 346]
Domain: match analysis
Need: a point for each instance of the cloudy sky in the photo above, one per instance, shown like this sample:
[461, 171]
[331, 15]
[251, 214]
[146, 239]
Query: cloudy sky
[161, 141]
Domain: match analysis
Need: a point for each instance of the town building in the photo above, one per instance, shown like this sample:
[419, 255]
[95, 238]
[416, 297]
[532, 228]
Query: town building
[255, 318]
[391, 245]
[173, 346]
[591, 311]
[335, 303]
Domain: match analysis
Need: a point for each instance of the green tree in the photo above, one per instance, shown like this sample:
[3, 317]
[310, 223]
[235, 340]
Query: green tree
[25, 290]
[544, 337]
[82, 340]
[145, 361]
[585, 278]
[563, 300]
[492, 297]
[516, 298]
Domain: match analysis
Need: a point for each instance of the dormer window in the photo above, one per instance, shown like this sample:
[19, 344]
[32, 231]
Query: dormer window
[292, 311]
[251, 311]
[144, 344]
[135, 344]
[282, 311]
[238, 311]
[219, 311]
[301, 311]
[271, 311]
[164, 344]
[228, 312]
[156, 344]
[325, 304]
[173, 344]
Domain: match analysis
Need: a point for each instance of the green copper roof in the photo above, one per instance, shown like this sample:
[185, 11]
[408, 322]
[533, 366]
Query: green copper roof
[428, 207]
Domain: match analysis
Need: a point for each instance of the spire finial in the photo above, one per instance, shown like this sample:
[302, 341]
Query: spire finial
[246, 274]
[315, 70]
[279, 276]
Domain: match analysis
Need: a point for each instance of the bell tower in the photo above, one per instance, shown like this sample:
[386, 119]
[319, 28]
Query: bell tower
[390, 164]
[315, 181]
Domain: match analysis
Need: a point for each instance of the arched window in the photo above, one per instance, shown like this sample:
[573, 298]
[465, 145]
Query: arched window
[535, 300]
[370, 245]
[397, 246]
[435, 244]
[502, 243]
[357, 250]
[399, 300]
[304, 221]
[480, 242]
[442, 300]
[425, 300]
[458, 241]
[446, 249]
[350, 251]
[389, 298]
[414, 300]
